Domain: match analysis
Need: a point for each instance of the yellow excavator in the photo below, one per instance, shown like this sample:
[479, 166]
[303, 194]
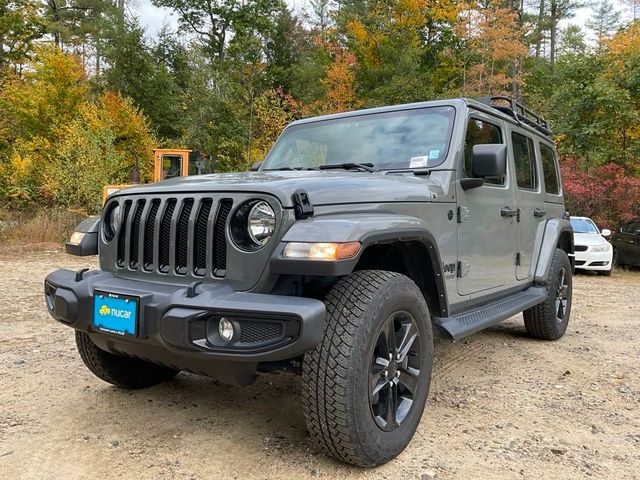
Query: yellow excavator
[169, 163]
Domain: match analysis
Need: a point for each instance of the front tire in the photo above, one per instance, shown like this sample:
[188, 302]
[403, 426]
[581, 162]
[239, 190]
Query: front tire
[365, 386]
[124, 372]
[549, 319]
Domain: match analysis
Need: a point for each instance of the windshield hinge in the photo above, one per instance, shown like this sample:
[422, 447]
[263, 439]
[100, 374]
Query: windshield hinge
[302, 205]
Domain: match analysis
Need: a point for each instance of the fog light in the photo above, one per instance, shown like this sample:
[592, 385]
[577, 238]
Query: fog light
[225, 329]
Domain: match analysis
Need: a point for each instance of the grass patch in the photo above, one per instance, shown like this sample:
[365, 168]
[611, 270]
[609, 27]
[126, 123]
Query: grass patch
[49, 226]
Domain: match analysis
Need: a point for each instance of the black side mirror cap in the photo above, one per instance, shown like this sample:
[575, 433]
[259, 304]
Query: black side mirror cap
[489, 160]
[256, 166]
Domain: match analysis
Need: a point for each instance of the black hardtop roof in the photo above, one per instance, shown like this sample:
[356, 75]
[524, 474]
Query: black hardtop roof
[484, 104]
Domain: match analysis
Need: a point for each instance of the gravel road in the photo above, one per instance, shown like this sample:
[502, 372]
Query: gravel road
[502, 406]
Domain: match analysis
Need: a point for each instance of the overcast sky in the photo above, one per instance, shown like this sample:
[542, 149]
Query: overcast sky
[153, 18]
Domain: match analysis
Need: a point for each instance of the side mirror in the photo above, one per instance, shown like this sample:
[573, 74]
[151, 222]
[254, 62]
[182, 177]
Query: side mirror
[637, 232]
[256, 166]
[605, 232]
[488, 160]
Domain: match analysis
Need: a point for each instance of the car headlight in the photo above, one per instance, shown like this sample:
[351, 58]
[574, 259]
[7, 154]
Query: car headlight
[112, 220]
[261, 223]
[253, 224]
[601, 248]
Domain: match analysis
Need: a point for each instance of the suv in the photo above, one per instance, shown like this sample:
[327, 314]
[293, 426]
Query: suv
[357, 234]
[626, 244]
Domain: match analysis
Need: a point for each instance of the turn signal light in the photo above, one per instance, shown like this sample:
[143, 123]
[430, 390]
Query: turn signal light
[321, 251]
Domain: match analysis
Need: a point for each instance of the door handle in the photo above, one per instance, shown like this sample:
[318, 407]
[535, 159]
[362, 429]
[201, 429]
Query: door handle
[539, 213]
[508, 212]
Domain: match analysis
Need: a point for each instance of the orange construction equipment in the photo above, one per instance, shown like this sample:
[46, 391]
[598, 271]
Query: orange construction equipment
[169, 163]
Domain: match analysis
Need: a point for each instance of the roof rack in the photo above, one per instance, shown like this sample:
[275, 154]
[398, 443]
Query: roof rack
[518, 111]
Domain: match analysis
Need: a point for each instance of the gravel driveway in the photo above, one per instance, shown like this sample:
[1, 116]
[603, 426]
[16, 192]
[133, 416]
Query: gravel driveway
[502, 406]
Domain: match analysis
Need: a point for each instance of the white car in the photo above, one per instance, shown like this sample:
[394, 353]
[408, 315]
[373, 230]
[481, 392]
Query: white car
[592, 250]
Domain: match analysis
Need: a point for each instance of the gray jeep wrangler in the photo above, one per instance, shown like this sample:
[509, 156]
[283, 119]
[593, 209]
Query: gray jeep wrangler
[357, 234]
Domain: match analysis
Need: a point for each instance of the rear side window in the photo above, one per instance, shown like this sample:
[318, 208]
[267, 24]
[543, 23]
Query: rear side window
[549, 170]
[525, 159]
[480, 133]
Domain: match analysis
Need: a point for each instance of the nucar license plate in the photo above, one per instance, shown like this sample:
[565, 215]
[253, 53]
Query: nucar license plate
[115, 313]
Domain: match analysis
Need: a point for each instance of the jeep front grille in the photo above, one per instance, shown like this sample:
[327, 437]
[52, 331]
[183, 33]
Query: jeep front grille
[174, 235]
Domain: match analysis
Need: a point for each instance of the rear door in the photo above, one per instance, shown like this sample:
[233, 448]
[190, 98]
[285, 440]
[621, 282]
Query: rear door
[529, 200]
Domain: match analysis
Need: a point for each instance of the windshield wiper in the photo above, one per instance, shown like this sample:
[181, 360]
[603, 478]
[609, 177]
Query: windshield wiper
[367, 167]
[280, 169]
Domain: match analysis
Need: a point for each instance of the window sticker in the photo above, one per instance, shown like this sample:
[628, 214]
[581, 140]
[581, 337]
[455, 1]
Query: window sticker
[418, 162]
[433, 154]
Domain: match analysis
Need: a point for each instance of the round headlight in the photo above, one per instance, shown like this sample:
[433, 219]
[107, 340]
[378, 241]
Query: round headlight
[261, 223]
[112, 220]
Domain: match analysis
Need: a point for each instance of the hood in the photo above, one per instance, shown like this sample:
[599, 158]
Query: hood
[323, 187]
[589, 239]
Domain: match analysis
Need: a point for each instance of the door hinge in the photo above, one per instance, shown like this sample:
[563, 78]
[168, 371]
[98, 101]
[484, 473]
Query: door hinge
[463, 214]
[518, 259]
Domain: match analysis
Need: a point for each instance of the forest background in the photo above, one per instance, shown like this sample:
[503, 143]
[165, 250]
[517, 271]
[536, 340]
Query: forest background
[85, 95]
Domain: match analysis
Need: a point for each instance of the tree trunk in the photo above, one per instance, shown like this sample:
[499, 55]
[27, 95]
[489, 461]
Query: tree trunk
[539, 29]
[553, 32]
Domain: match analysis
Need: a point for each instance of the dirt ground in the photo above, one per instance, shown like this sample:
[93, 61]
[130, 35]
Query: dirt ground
[502, 406]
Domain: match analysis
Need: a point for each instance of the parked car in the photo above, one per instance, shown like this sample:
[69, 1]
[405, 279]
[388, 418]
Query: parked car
[626, 244]
[357, 233]
[592, 250]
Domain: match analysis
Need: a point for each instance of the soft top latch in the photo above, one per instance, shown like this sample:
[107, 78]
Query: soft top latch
[302, 205]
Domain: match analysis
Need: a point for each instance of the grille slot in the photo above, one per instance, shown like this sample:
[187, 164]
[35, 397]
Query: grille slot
[122, 234]
[176, 235]
[149, 228]
[200, 243]
[581, 248]
[165, 236]
[135, 234]
[260, 332]
[182, 237]
[220, 241]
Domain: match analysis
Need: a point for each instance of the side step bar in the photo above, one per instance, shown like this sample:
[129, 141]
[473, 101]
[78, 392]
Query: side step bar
[471, 321]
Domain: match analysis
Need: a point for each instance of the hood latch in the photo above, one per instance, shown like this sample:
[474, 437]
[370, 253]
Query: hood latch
[302, 205]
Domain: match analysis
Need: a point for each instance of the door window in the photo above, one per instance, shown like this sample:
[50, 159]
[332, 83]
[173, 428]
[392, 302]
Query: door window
[480, 132]
[549, 170]
[525, 160]
[629, 227]
[171, 166]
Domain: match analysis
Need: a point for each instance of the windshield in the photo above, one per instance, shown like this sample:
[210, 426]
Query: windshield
[415, 138]
[583, 225]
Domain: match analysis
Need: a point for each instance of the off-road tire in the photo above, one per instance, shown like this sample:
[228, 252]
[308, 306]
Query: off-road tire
[541, 321]
[124, 372]
[336, 374]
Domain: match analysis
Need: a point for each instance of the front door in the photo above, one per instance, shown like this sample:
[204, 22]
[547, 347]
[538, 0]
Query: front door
[529, 200]
[486, 225]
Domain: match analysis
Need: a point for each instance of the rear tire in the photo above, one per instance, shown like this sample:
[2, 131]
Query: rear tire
[366, 384]
[124, 372]
[549, 319]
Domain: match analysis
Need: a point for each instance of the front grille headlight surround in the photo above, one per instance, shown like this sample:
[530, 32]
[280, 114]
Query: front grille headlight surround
[253, 225]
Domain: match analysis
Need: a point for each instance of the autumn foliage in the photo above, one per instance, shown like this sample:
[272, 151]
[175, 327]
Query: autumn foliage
[605, 193]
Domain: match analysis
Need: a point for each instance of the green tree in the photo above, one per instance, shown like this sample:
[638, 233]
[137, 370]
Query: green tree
[20, 26]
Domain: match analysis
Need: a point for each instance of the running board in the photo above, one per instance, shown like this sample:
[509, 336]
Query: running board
[479, 318]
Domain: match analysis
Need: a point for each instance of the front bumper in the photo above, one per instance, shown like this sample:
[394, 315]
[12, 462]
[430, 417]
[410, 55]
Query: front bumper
[597, 261]
[177, 324]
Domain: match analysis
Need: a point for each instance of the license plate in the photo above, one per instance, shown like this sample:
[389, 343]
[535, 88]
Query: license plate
[115, 313]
